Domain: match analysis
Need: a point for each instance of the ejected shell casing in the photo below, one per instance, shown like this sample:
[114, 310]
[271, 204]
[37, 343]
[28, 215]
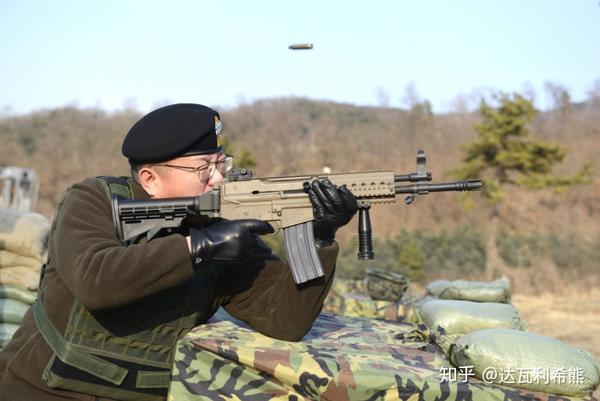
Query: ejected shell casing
[301, 46]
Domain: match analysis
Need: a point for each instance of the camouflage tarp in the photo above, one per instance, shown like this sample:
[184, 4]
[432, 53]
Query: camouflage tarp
[342, 286]
[349, 298]
[340, 359]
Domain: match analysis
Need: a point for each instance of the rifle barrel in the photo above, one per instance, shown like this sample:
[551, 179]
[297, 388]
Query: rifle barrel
[423, 188]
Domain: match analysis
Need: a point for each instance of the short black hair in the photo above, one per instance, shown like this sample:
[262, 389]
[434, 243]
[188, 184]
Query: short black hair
[134, 168]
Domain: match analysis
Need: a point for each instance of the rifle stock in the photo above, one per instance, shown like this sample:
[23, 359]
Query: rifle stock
[282, 202]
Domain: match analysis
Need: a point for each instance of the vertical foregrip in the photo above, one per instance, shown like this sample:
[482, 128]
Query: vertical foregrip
[365, 240]
[302, 253]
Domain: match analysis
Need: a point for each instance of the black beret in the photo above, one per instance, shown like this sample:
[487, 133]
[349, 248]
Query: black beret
[172, 131]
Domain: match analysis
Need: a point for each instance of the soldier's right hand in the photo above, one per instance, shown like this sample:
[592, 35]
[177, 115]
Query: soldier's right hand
[228, 241]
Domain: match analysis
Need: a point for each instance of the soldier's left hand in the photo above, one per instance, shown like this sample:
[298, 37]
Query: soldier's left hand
[333, 207]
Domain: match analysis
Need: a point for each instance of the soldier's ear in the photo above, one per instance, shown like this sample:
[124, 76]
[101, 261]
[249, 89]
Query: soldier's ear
[149, 180]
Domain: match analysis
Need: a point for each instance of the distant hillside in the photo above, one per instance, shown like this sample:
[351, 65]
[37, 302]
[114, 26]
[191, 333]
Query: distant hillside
[295, 136]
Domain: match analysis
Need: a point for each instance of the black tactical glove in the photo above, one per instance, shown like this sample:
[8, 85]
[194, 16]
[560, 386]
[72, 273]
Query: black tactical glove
[333, 207]
[228, 241]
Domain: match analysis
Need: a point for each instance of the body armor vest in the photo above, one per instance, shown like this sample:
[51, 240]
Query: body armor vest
[126, 352]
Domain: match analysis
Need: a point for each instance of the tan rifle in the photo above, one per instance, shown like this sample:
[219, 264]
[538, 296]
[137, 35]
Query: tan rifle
[284, 203]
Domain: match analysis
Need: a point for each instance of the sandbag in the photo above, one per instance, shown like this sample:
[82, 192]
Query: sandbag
[436, 287]
[7, 331]
[528, 361]
[451, 317]
[25, 234]
[19, 294]
[20, 276]
[12, 311]
[479, 291]
[8, 258]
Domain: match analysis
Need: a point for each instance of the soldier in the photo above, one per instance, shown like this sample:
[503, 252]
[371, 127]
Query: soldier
[108, 314]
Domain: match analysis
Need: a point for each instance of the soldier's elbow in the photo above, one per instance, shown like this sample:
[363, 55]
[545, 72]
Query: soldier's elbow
[287, 333]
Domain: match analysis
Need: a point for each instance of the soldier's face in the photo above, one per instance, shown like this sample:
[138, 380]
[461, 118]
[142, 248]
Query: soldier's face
[187, 176]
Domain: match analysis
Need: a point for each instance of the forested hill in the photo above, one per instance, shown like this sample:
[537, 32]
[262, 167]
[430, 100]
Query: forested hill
[295, 136]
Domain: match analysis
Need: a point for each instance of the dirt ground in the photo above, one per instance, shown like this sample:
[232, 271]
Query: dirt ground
[573, 318]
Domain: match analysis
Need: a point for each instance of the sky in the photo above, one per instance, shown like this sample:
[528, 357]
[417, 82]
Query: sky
[113, 54]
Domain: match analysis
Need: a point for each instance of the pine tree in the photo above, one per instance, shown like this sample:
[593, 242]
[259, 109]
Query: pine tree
[507, 153]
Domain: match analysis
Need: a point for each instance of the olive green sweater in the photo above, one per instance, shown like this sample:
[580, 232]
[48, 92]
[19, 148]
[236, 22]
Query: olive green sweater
[88, 262]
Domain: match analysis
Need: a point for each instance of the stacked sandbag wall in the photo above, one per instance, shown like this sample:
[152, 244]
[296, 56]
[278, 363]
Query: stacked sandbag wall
[14, 302]
[380, 295]
[482, 335]
[23, 249]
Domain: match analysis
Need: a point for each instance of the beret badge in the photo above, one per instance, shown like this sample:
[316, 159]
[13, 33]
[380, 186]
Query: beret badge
[218, 128]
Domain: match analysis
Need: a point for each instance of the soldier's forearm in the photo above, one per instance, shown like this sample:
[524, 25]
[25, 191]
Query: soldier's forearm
[278, 307]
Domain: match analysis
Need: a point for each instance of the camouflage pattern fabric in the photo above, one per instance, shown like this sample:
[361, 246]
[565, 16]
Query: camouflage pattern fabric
[346, 286]
[340, 359]
[352, 305]
[349, 298]
[386, 286]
